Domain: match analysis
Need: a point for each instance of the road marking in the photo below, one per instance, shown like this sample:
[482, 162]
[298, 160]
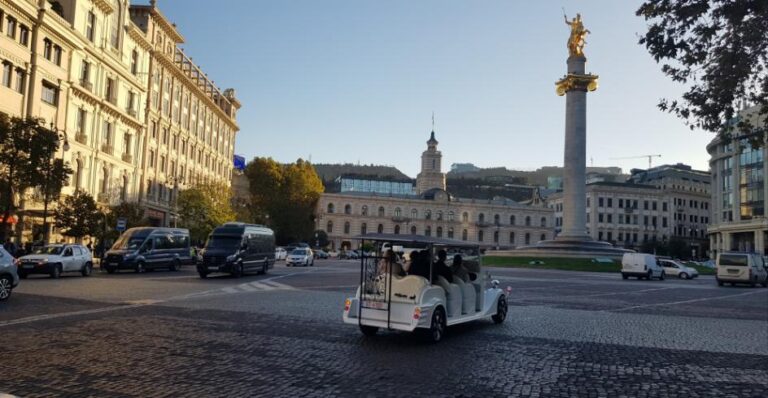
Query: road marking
[279, 285]
[686, 301]
[229, 289]
[584, 295]
[68, 314]
[260, 286]
[247, 288]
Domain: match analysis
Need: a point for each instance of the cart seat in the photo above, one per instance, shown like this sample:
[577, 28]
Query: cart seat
[452, 296]
[408, 288]
[469, 296]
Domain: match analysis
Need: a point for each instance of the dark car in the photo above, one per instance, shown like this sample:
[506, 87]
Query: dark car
[148, 248]
[238, 248]
[321, 254]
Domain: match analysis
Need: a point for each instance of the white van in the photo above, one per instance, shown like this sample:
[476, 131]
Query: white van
[734, 267]
[641, 265]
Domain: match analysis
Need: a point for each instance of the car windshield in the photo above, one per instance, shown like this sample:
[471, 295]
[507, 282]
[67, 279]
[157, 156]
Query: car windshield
[299, 252]
[128, 243]
[733, 260]
[48, 250]
[223, 242]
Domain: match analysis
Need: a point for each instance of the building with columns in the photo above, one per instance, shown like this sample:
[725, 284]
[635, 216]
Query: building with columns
[432, 211]
[739, 192]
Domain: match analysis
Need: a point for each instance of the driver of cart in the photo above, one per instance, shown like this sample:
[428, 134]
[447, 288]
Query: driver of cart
[439, 268]
[390, 262]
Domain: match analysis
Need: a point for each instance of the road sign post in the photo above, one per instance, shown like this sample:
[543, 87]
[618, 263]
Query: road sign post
[121, 223]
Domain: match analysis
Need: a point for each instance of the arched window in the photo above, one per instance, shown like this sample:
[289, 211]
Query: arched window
[346, 228]
[511, 238]
[381, 211]
[527, 221]
[364, 210]
[527, 239]
[543, 222]
[329, 227]
[428, 231]
[465, 217]
[450, 233]
[512, 220]
[464, 235]
[439, 232]
[398, 212]
[428, 214]
[347, 209]
[439, 215]
[481, 218]
[450, 216]
[414, 213]
[480, 235]
[380, 229]
[331, 208]
[397, 230]
[543, 237]
[413, 230]
[495, 236]
[496, 219]
[363, 229]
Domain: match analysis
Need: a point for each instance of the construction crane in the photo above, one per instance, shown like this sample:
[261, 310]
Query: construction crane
[650, 158]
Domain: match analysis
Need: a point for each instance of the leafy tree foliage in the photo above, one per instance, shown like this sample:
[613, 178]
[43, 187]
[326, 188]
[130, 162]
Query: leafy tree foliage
[133, 214]
[284, 196]
[26, 149]
[78, 215]
[204, 207]
[320, 239]
[719, 50]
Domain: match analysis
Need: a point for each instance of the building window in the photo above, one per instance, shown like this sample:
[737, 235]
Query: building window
[381, 211]
[543, 237]
[428, 214]
[85, 72]
[439, 215]
[398, 212]
[543, 222]
[495, 236]
[104, 186]
[81, 120]
[331, 208]
[7, 74]
[57, 51]
[413, 230]
[50, 94]
[10, 28]
[346, 228]
[363, 228]
[511, 238]
[450, 216]
[364, 211]
[110, 90]
[90, 24]
[347, 209]
[47, 49]
[450, 233]
[24, 35]
[512, 220]
[527, 239]
[527, 221]
[481, 218]
[428, 231]
[397, 230]
[329, 227]
[414, 214]
[380, 228]
[465, 217]
[439, 232]
[464, 234]
[480, 235]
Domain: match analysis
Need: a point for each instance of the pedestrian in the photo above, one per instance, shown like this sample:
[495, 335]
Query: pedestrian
[9, 246]
[90, 246]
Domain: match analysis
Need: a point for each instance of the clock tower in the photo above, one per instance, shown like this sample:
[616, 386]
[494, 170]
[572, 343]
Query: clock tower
[431, 175]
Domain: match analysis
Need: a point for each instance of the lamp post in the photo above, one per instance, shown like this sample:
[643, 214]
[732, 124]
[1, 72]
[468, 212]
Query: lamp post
[174, 182]
[60, 136]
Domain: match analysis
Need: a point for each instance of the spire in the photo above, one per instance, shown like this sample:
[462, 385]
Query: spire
[432, 141]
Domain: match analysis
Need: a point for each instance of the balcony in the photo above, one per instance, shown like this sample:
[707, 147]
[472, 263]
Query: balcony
[127, 158]
[106, 148]
[86, 85]
[400, 219]
[483, 224]
[131, 112]
[81, 138]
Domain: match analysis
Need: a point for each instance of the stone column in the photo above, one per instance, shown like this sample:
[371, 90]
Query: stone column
[575, 160]
[759, 241]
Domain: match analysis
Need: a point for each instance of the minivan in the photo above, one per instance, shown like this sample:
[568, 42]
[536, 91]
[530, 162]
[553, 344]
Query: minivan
[641, 265]
[736, 267]
[238, 248]
[148, 248]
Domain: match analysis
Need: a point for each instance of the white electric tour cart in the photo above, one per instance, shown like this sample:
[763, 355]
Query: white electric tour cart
[392, 297]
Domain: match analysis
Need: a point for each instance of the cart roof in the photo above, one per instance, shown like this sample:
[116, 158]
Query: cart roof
[416, 239]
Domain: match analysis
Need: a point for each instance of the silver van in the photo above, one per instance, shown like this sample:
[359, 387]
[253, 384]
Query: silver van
[737, 267]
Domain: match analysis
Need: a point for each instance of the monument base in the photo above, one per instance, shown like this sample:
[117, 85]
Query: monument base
[566, 247]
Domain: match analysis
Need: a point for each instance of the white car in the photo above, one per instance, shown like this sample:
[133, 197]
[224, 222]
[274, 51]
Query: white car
[675, 268]
[280, 254]
[642, 266]
[300, 256]
[56, 259]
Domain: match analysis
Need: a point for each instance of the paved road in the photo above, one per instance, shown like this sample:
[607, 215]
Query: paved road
[171, 334]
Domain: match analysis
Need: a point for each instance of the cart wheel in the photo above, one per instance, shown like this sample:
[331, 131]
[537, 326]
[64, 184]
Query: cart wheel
[436, 330]
[501, 310]
[369, 330]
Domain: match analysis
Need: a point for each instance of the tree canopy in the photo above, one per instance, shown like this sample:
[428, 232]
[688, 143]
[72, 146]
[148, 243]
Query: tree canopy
[719, 50]
[78, 215]
[284, 196]
[204, 207]
[133, 214]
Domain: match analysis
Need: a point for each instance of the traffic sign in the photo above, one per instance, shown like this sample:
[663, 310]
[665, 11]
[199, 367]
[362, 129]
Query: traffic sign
[121, 222]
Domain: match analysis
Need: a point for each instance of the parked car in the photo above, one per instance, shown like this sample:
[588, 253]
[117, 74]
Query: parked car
[9, 275]
[321, 254]
[675, 268]
[147, 248]
[57, 259]
[238, 248]
[301, 256]
[349, 255]
[641, 265]
[280, 253]
[737, 267]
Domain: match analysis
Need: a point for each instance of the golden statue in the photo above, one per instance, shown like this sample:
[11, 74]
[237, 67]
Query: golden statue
[578, 33]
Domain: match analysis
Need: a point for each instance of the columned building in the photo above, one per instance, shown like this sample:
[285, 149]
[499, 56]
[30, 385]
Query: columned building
[191, 124]
[739, 192]
[496, 223]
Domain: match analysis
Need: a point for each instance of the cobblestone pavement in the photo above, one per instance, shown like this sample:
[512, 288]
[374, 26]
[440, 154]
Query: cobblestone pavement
[172, 335]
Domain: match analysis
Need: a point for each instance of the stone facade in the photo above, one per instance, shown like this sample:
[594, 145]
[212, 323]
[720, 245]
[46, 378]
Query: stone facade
[739, 193]
[498, 223]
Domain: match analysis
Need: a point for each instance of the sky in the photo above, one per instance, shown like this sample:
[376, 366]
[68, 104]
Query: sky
[357, 81]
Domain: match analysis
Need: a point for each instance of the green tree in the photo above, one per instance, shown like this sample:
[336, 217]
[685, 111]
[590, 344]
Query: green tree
[719, 50]
[203, 207]
[26, 149]
[320, 238]
[133, 214]
[287, 194]
[78, 215]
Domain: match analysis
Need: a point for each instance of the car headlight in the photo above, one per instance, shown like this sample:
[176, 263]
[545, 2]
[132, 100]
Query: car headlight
[231, 258]
[42, 261]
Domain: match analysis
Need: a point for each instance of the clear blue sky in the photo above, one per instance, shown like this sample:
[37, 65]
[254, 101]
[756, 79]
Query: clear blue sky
[357, 80]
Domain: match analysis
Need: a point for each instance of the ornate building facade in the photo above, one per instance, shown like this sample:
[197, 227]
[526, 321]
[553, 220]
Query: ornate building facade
[497, 223]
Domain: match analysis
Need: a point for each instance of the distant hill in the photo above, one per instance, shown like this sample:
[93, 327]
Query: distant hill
[537, 177]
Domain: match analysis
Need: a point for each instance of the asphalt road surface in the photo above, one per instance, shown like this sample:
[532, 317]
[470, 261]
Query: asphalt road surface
[172, 334]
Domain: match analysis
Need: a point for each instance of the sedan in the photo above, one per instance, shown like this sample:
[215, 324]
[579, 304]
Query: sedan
[56, 259]
[675, 268]
[302, 256]
[321, 254]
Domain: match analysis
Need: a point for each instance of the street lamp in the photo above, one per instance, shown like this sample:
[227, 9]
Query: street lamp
[60, 136]
[174, 182]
